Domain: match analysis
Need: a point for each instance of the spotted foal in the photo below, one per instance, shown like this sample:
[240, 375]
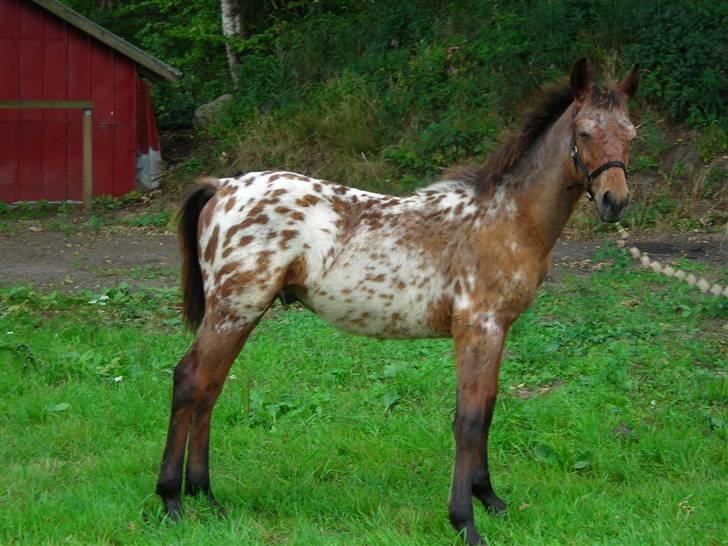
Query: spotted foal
[460, 258]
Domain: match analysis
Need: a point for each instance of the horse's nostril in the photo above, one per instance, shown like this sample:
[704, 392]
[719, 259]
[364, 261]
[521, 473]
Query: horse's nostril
[607, 199]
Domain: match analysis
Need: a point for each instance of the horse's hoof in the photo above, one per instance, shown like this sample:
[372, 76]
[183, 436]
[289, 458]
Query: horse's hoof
[494, 504]
[470, 535]
[218, 508]
[173, 508]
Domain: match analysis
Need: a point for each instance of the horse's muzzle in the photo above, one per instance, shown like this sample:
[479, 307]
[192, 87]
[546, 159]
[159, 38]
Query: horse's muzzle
[610, 209]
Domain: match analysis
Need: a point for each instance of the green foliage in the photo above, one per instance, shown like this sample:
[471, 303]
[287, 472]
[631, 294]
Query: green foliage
[108, 202]
[411, 88]
[712, 141]
[715, 180]
[683, 56]
[158, 219]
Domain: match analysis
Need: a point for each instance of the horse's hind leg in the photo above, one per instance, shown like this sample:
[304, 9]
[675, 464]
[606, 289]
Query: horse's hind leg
[198, 379]
[197, 475]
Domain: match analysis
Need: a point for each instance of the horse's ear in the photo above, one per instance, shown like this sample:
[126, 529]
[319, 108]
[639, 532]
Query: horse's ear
[632, 82]
[580, 79]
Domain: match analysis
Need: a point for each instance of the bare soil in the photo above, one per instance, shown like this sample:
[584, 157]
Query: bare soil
[61, 260]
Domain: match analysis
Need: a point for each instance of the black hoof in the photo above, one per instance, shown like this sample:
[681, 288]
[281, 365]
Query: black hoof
[173, 508]
[470, 535]
[218, 508]
[494, 504]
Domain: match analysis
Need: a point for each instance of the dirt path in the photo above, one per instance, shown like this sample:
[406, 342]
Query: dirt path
[85, 260]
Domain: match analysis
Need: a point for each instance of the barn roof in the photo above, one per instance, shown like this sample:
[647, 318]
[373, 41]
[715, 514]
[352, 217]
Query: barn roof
[148, 65]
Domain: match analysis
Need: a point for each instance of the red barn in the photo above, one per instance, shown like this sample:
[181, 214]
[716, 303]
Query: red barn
[62, 77]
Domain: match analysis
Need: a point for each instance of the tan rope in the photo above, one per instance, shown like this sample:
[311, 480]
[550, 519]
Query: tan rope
[644, 259]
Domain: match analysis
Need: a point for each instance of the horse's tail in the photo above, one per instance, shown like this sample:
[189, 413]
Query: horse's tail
[193, 292]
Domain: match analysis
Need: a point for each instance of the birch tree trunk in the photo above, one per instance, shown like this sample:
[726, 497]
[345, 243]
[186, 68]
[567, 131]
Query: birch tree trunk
[232, 27]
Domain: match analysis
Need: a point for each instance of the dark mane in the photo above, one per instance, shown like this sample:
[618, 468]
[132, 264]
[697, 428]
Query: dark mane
[549, 105]
[553, 101]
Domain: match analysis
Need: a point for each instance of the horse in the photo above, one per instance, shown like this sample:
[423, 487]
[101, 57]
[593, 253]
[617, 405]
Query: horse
[461, 258]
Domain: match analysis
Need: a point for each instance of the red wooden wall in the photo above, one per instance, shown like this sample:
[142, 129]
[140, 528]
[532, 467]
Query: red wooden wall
[42, 57]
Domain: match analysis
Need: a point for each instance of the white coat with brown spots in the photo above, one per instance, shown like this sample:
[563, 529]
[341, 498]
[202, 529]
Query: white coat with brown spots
[367, 263]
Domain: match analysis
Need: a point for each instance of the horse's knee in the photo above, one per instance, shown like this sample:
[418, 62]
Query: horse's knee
[468, 430]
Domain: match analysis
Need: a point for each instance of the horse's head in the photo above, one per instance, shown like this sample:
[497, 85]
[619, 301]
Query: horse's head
[601, 135]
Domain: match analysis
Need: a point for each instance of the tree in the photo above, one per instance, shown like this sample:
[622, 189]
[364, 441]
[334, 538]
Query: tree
[232, 28]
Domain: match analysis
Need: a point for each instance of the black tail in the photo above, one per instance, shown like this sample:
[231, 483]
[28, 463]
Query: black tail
[193, 292]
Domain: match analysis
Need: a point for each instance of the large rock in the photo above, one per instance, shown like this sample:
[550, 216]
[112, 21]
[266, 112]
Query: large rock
[206, 114]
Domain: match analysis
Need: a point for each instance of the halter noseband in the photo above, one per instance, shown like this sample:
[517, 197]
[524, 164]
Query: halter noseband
[590, 176]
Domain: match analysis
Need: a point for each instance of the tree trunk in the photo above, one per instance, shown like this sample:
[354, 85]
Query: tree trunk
[232, 27]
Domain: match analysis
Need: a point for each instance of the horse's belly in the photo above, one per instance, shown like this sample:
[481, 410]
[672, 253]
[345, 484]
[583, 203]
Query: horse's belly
[381, 302]
[373, 316]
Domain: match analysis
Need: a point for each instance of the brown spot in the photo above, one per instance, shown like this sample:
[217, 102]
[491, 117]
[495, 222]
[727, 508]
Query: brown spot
[225, 190]
[227, 252]
[301, 177]
[282, 210]
[286, 235]
[459, 209]
[212, 244]
[230, 204]
[245, 240]
[236, 282]
[260, 219]
[307, 200]
[279, 191]
[275, 177]
[317, 187]
[226, 270]
[458, 288]
[263, 260]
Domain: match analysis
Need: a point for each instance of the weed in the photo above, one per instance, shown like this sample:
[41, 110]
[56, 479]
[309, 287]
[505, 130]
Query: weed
[159, 219]
[712, 142]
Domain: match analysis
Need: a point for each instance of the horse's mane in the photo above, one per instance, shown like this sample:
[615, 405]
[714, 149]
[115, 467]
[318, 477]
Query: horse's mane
[549, 105]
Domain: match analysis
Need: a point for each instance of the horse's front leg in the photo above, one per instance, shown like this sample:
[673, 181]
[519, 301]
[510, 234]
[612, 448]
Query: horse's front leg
[479, 345]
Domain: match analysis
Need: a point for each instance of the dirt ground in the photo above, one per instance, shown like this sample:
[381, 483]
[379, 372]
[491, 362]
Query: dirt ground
[54, 259]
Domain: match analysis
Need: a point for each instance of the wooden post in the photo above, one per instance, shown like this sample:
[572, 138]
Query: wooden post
[87, 159]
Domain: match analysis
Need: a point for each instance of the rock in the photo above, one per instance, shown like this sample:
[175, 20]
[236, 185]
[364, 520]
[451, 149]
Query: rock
[206, 114]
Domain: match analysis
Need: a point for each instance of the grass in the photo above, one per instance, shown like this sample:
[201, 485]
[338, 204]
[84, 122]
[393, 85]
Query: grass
[107, 214]
[610, 427]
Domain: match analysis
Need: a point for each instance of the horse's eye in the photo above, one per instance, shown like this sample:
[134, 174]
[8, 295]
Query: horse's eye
[584, 134]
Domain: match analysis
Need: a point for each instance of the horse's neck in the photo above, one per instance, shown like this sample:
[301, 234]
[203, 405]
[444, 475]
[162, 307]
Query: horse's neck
[545, 197]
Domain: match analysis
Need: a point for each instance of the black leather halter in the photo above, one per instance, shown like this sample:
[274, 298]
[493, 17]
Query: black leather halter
[590, 176]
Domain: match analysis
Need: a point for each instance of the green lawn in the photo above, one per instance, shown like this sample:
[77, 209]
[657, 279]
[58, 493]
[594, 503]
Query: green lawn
[610, 428]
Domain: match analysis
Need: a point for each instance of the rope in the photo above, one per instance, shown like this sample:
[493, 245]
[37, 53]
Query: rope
[644, 259]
